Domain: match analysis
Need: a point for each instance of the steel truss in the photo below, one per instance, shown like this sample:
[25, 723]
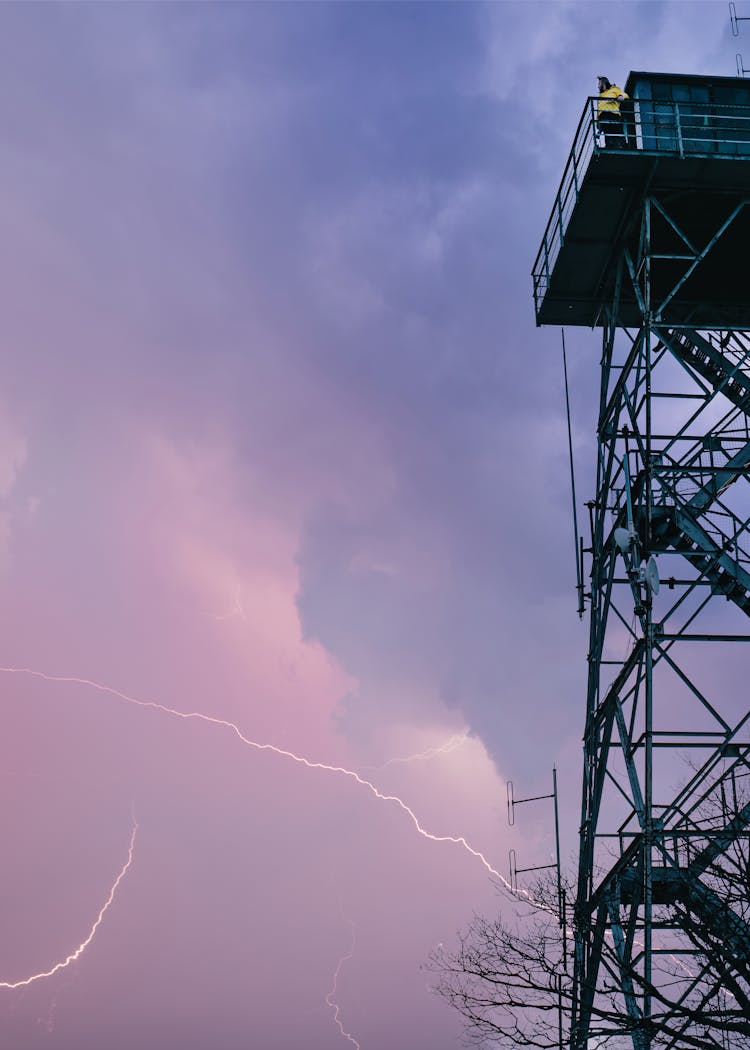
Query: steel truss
[662, 917]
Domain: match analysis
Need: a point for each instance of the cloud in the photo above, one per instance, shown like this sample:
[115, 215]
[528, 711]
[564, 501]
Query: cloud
[13, 454]
[284, 446]
[14, 506]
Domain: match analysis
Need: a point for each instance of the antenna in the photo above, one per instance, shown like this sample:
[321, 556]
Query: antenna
[648, 576]
[512, 803]
[734, 20]
[576, 540]
[515, 871]
[628, 498]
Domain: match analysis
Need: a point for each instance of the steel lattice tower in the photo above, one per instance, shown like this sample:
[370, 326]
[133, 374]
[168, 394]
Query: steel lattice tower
[648, 241]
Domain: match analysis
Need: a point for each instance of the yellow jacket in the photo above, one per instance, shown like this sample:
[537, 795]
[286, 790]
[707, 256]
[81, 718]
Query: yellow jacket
[609, 100]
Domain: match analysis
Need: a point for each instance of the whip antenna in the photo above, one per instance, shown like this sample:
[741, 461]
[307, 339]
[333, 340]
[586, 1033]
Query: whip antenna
[576, 540]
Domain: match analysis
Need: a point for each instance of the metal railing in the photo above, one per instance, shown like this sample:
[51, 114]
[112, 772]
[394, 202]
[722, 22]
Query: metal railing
[650, 126]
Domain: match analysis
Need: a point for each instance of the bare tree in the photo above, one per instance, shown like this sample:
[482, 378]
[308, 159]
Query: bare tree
[511, 978]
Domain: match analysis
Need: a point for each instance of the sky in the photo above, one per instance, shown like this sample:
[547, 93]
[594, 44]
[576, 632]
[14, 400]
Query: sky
[281, 448]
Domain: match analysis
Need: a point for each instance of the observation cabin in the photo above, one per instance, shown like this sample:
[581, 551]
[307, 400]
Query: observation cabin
[683, 141]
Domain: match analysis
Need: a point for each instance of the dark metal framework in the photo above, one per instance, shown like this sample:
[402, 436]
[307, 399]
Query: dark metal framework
[601, 190]
[662, 915]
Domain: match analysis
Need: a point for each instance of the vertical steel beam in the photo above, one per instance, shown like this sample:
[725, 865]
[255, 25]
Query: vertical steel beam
[671, 483]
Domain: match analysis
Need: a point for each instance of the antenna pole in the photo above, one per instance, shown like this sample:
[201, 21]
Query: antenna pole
[579, 578]
[561, 911]
[515, 871]
[557, 843]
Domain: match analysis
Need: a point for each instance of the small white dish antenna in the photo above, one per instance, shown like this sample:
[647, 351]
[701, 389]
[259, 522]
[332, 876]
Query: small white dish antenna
[652, 575]
[622, 539]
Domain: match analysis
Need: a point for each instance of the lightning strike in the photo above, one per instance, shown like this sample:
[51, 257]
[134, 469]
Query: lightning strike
[350, 774]
[452, 744]
[330, 998]
[92, 932]
[48, 1022]
[237, 609]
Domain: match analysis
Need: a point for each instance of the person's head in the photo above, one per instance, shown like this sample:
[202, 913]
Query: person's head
[604, 84]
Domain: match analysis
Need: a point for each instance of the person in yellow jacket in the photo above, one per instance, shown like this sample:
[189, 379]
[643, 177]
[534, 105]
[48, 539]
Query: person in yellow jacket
[610, 119]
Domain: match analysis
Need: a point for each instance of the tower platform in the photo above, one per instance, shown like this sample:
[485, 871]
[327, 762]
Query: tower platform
[692, 160]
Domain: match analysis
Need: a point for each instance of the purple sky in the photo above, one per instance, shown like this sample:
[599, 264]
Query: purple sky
[280, 444]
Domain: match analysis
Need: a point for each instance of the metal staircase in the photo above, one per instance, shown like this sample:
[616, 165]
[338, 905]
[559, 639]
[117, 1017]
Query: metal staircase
[693, 518]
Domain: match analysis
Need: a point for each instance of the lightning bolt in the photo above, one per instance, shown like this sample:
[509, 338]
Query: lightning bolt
[330, 998]
[49, 1021]
[341, 771]
[458, 840]
[236, 610]
[443, 749]
[85, 943]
